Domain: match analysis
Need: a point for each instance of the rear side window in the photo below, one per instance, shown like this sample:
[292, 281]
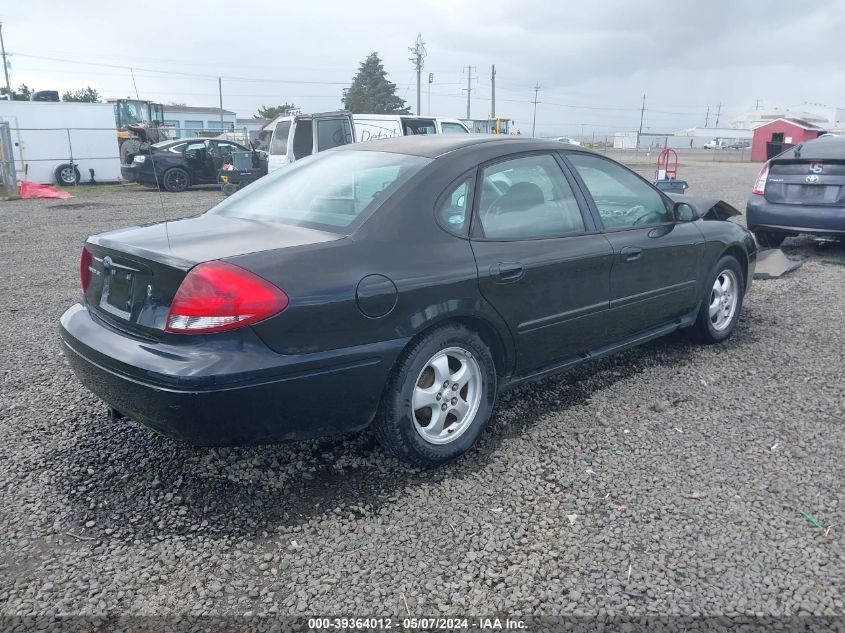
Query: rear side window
[332, 133]
[528, 197]
[452, 208]
[279, 145]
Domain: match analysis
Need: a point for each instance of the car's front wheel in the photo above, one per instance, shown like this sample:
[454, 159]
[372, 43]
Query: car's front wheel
[439, 397]
[722, 302]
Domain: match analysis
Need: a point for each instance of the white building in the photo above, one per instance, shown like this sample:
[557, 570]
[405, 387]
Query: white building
[191, 121]
[826, 117]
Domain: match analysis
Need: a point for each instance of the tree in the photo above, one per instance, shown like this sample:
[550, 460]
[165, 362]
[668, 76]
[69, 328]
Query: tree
[371, 92]
[271, 112]
[23, 93]
[88, 95]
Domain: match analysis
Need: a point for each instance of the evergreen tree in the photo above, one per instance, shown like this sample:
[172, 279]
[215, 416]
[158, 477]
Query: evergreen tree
[271, 112]
[371, 92]
[23, 93]
[88, 95]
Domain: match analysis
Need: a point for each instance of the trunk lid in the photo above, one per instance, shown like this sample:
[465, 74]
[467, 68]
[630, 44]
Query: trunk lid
[135, 272]
[816, 182]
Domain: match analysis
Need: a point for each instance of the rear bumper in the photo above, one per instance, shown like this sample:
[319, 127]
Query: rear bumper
[794, 218]
[227, 390]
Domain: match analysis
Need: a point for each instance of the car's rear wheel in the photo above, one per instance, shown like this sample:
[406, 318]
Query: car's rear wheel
[722, 302]
[67, 175]
[768, 239]
[439, 397]
[176, 180]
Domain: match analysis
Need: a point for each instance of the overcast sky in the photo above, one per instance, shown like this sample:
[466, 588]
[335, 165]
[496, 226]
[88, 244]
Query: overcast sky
[593, 60]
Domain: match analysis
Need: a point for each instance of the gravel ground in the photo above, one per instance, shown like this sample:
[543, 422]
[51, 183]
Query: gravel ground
[667, 480]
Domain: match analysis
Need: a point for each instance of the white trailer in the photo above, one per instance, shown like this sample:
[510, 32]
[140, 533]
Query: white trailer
[61, 142]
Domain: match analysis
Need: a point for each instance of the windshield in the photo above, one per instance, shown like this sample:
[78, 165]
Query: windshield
[329, 191]
[131, 112]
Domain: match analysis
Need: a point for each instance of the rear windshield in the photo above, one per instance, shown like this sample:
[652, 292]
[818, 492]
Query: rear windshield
[328, 191]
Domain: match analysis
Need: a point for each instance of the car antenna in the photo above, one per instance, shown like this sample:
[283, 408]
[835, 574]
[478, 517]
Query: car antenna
[160, 200]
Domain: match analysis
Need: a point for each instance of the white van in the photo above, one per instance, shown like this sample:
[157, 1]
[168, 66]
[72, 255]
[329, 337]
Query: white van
[297, 136]
[369, 127]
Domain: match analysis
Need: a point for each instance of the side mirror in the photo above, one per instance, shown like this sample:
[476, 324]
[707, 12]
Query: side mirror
[683, 212]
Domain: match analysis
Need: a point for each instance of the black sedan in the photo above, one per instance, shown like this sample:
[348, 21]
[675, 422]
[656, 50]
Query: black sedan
[801, 190]
[179, 164]
[401, 283]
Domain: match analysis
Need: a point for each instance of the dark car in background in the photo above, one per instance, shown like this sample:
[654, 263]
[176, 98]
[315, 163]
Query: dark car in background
[801, 190]
[179, 164]
[403, 283]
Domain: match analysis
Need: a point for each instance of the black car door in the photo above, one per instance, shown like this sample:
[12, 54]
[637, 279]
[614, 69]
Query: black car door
[199, 162]
[656, 268]
[542, 264]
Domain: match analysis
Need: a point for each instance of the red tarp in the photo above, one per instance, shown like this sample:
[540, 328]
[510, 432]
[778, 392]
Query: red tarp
[35, 190]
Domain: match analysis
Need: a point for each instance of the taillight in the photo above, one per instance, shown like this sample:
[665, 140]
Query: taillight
[85, 269]
[760, 183]
[218, 296]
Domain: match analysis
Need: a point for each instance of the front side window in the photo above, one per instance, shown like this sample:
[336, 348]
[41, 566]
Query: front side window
[332, 133]
[326, 191]
[527, 197]
[419, 126]
[452, 208]
[623, 199]
[453, 128]
[279, 144]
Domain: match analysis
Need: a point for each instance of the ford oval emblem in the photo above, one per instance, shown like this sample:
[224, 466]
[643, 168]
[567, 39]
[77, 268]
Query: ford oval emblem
[106, 262]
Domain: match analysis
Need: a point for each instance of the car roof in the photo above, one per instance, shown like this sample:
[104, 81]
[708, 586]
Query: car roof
[817, 149]
[434, 145]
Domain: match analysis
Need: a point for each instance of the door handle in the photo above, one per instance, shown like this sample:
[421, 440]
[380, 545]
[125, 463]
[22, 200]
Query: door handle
[505, 272]
[630, 253]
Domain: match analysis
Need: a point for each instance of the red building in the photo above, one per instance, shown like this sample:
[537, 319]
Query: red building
[770, 139]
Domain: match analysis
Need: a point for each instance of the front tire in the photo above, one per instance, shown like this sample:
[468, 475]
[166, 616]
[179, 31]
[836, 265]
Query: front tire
[722, 302]
[439, 397]
[176, 180]
[767, 239]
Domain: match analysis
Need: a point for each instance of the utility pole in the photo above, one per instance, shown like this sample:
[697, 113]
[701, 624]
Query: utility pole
[469, 88]
[757, 105]
[220, 94]
[642, 113]
[418, 55]
[718, 112]
[534, 120]
[707, 117]
[430, 81]
[493, 92]
[5, 67]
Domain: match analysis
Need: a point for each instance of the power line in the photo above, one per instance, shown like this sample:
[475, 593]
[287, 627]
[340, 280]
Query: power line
[185, 74]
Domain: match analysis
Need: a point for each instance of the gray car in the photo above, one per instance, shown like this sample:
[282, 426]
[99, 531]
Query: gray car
[801, 190]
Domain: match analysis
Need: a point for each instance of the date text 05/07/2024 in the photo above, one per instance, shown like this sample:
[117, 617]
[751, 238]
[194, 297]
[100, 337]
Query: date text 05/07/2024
[411, 623]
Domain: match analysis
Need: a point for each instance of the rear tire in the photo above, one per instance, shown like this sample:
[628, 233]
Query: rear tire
[438, 398]
[67, 175]
[176, 180]
[722, 302]
[768, 239]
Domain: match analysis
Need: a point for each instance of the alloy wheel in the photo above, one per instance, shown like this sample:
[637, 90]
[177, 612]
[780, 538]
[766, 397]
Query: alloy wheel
[723, 300]
[446, 396]
[68, 175]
